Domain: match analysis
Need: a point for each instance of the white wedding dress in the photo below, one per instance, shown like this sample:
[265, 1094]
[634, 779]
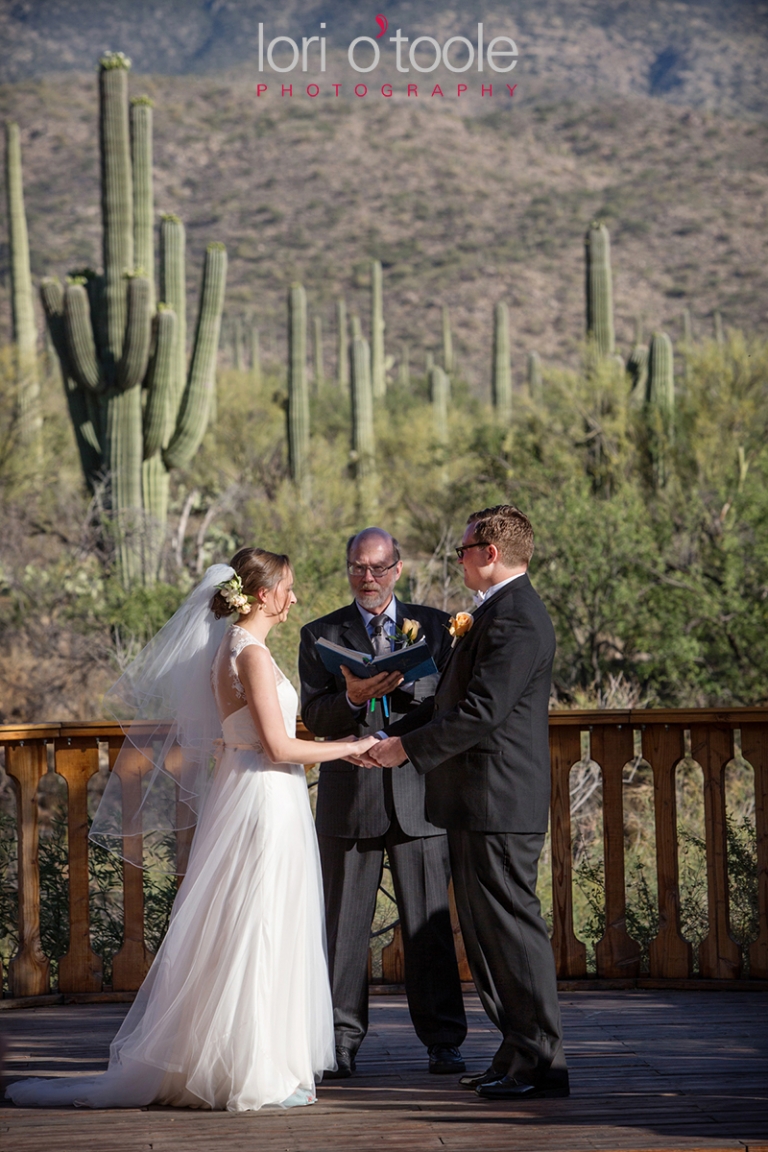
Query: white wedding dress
[235, 1012]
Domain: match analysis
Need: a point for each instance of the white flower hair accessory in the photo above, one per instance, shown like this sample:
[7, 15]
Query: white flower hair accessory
[232, 592]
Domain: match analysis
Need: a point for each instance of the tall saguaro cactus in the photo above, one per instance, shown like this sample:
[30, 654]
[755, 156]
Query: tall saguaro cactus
[378, 372]
[535, 385]
[22, 300]
[317, 353]
[660, 403]
[363, 454]
[404, 367]
[342, 345]
[298, 391]
[136, 409]
[439, 388]
[599, 289]
[501, 371]
[447, 341]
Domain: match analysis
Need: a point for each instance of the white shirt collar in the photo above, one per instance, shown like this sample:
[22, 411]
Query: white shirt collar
[390, 611]
[481, 597]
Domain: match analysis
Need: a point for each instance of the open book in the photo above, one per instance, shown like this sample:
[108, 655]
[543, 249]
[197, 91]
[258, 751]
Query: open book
[414, 662]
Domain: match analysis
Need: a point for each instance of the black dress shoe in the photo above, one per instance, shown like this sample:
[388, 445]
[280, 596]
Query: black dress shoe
[444, 1059]
[345, 1065]
[553, 1085]
[475, 1079]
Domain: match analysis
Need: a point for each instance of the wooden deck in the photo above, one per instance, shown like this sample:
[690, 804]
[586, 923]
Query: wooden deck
[649, 1070]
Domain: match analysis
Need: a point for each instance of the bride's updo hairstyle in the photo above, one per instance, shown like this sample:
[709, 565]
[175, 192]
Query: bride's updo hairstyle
[257, 569]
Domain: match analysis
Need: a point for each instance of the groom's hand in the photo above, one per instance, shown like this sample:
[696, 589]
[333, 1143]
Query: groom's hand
[362, 689]
[388, 753]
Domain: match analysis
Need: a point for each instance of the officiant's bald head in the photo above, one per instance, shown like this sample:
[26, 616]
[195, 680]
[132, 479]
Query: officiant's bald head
[373, 567]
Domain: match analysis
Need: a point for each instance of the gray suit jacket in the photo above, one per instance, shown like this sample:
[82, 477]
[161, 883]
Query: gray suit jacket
[358, 802]
[486, 750]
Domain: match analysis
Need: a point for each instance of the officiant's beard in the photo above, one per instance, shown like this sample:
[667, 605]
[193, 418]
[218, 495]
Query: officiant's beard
[374, 599]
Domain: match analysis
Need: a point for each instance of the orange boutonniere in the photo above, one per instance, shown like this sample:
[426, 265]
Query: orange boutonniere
[459, 625]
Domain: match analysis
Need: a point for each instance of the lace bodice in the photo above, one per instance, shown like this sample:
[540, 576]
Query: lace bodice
[229, 693]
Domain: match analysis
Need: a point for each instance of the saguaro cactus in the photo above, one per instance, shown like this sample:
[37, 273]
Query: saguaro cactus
[447, 341]
[439, 387]
[535, 386]
[660, 403]
[22, 301]
[113, 351]
[363, 454]
[599, 286]
[501, 372]
[317, 352]
[342, 345]
[378, 371]
[660, 388]
[238, 337]
[298, 391]
[404, 367]
[637, 370]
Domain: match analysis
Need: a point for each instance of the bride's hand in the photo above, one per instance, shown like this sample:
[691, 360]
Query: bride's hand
[361, 746]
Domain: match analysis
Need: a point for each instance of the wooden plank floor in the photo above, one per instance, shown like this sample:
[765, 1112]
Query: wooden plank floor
[649, 1070]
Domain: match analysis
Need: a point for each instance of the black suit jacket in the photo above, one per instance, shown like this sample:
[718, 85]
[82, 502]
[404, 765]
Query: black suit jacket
[485, 752]
[353, 802]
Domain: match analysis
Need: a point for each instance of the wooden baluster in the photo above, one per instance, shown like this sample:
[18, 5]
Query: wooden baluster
[616, 954]
[458, 939]
[570, 953]
[393, 959]
[719, 953]
[185, 816]
[131, 964]
[28, 972]
[76, 761]
[671, 955]
[754, 748]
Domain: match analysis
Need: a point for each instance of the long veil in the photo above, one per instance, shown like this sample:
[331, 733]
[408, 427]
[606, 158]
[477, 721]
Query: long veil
[165, 702]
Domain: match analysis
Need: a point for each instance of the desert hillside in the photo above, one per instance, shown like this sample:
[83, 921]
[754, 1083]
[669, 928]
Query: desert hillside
[465, 203]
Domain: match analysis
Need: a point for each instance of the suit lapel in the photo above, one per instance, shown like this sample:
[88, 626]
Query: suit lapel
[497, 597]
[481, 609]
[354, 632]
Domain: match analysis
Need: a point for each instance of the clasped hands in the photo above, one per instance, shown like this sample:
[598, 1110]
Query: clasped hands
[388, 753]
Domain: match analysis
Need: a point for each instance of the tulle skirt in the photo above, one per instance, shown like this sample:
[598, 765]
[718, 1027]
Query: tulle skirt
[235, 1012]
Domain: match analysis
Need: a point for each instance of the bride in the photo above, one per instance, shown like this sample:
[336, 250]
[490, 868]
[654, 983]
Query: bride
[235, 1012]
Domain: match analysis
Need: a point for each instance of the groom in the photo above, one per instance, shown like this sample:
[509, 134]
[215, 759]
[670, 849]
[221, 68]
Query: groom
[362, 813]
[485, 755]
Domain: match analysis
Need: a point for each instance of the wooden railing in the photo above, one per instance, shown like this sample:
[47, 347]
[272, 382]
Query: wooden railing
[664, 738]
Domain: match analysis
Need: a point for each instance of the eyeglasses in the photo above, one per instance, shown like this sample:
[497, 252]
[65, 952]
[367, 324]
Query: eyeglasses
[466, 547]
[376, 570]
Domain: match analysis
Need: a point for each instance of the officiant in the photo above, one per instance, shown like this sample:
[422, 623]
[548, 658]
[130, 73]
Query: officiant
[361, 813]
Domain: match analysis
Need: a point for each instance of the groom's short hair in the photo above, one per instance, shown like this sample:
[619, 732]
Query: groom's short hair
[509, 529]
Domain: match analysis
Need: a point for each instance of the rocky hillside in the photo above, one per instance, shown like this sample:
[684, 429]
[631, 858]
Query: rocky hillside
[647, 116]
[706, 54]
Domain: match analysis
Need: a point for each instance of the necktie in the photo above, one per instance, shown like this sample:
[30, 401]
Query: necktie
[381, 644]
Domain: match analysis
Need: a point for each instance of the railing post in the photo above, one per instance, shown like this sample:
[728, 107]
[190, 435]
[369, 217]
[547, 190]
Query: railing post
[719, 953]
[617, 954]
[186, 820]
[570, 953]
[76, 761]
[28, 972]
[754, 748]
[393, 959]
[131, 964]
[670, 954]
[458, 940]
